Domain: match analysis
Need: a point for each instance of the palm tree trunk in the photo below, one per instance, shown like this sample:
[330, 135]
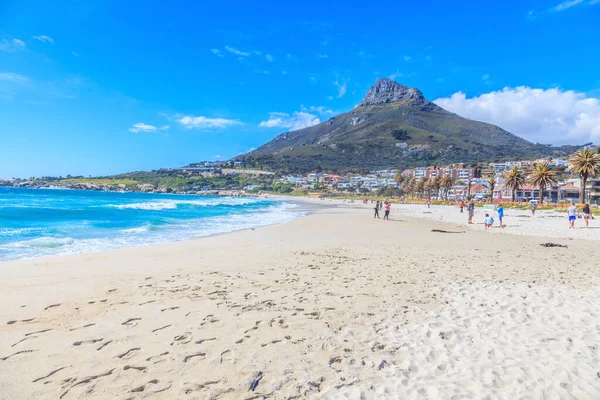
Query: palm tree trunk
[513, 195]
[582, 189]
[541, 195]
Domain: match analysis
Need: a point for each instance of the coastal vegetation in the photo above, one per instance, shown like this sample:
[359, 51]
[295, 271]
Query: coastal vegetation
[585, 163]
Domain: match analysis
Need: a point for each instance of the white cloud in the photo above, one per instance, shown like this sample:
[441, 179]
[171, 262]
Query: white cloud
[342, 87]
[142, 127]
[237, 52]
[322, 56]
[12, 45]
[13, 77]
[565, 5]
[298, 120]
[269, 58]
[406, 58]
[76, 54]
[217, 52]
[192, 122]
[396, 75]
[317, 109]
[44, 39]
[540, 115]
[485, 77]
[313, 79]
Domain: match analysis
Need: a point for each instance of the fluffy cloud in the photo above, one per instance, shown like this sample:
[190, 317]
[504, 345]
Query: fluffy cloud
[237, 52]
[12, 45]
[269, 58]
[13, 77]
[44, 39]
[141, 127]
[546, 116]
[217, 52]
[298, 120]
[192, 122]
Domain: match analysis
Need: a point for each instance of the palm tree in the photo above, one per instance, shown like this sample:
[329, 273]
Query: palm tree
[420, 186]
[409, 186]
[437, 184]
[399, 178]
[542, 176]
[585, 163]
[514, 180]
[469, 182]
[447, 185]
[492, 181]
[428, 184]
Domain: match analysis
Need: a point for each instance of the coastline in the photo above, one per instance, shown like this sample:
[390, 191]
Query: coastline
[334, 304]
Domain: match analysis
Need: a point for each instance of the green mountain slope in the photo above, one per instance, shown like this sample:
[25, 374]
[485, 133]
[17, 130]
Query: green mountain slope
[394, 126]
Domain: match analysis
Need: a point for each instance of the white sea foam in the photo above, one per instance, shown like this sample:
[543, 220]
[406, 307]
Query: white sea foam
[45, 243]
[176, 230]
[173, 204]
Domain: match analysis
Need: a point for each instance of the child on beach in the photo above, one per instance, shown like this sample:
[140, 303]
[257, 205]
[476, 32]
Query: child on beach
[488, 221]
[500, 210]
[462, 206]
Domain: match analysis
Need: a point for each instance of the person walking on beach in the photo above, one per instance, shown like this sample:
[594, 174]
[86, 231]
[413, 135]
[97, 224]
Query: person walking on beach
[587, 214]
[533, 208]
[376, 210]
[500, 214]
[471, 210]
[572, 211]
[387, 206]
[462, 206]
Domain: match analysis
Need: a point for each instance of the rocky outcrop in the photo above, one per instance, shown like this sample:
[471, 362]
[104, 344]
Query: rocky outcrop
[387, 91]
[145, 187]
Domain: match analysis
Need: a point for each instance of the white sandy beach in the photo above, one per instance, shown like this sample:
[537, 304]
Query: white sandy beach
[332, 305]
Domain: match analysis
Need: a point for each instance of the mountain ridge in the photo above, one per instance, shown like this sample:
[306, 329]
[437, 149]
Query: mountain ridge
[393, 126]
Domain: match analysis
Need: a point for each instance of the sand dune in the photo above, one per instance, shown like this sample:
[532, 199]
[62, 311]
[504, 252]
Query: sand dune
[333, 305]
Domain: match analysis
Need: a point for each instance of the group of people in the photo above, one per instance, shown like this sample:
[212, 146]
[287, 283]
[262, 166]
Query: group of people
[572, 212]
[386, 205]
[488, 221]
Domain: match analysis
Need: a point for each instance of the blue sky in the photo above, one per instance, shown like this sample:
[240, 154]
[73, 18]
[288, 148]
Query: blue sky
[102, 87]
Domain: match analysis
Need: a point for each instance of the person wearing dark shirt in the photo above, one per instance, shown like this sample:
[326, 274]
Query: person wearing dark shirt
[587, 214]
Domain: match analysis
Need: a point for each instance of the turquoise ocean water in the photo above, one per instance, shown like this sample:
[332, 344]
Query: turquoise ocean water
[40, 222]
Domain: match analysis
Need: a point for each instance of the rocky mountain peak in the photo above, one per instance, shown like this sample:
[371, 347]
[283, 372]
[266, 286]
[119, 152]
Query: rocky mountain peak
[388, 91]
